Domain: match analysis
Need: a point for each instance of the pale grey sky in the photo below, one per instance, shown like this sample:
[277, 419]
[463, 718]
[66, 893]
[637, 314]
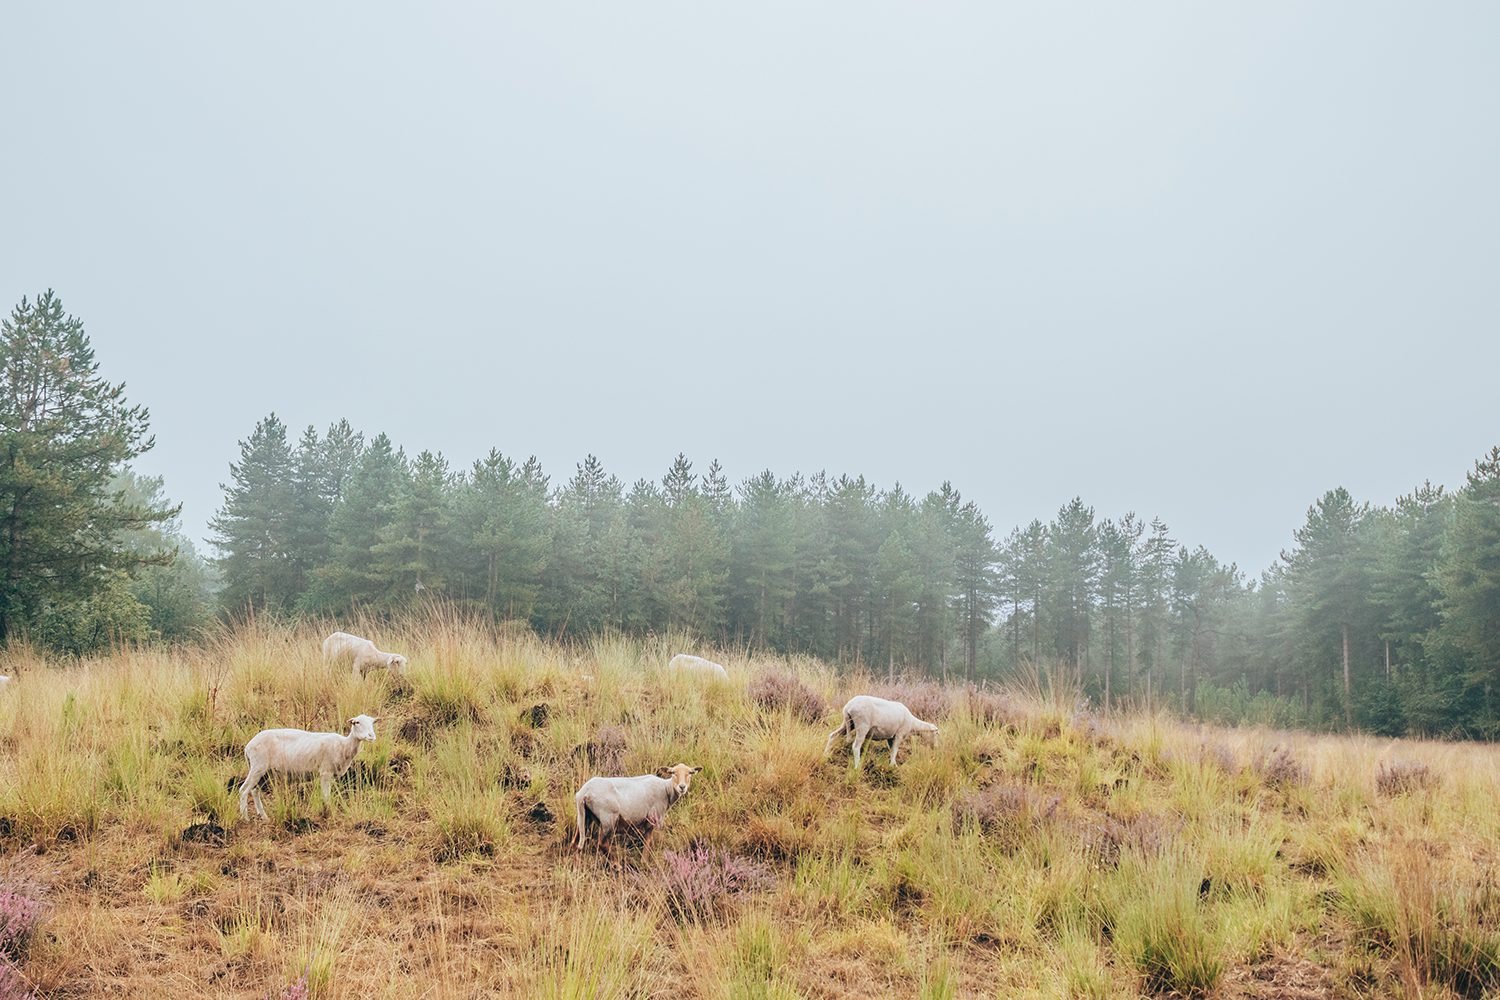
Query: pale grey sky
[1196, 260]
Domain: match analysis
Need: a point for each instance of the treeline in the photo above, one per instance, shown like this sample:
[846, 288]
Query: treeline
[830, 566]
[1381, 618]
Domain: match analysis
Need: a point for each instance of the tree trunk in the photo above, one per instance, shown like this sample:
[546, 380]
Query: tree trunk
[1349, 703]
[1388, 659]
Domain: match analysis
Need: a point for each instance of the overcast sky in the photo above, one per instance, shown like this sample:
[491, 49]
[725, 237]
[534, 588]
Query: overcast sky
[1198, 260]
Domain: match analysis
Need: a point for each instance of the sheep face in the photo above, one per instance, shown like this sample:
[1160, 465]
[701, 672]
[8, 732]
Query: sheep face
[396, 663]
[681, 776]
[362, 727]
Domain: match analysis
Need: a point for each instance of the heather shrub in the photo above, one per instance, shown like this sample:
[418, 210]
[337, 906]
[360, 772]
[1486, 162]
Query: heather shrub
[1092, 729]
[927, 700]
[1008, 813]
[1279, 768]
[775, 690]
[13, 985]
[20, 916]
[606, 751]
[700, 881]
[1104, 839]
[1398, 777]
[993, 708]
[1218, 755]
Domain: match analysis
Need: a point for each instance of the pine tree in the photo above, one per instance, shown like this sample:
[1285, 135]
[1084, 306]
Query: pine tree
[177, 595]
[1073, 569]
[65, 433]
[974, 569]
[358, 526]
[415, 550]
[583, 589]
[762, 560]
[1155, 557]
[1468, 577]
[505, 525]
[255, 529]
[1329, 576]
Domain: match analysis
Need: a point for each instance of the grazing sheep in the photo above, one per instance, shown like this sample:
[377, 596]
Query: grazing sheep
[611, 801]
[298, 752]
[5, 679]
[869, 717]
[684, 663]
[362, 653]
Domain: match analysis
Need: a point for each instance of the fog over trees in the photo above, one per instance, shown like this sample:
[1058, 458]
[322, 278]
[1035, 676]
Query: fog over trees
[1379, 618]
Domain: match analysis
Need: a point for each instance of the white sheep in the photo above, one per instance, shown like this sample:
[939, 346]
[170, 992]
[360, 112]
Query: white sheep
[362, 654]
[646, 798]
[298, 752]
[685, 663]
[869, 717]
[5, 679]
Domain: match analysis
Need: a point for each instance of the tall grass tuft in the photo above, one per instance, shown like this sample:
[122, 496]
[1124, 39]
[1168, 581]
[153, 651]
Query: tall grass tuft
[1161, 926]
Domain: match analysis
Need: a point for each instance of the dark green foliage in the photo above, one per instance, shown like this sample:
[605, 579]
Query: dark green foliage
[177, 595]
[1378, 619]
[65, 433]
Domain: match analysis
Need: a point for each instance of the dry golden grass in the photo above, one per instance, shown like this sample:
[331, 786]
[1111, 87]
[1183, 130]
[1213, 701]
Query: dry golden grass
[1141, 855]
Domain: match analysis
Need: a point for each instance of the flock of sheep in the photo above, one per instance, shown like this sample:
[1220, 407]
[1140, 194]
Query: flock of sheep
[603, 803]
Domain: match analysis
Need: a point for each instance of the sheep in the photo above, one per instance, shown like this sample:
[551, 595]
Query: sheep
[684, 663]
[642, 799]
[362, 653]
[869, 717]
[299, 752]
[5, 679]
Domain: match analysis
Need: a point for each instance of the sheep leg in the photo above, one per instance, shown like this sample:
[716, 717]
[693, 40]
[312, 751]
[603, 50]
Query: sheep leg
[895, 743]
[248, 790]
[859, 742]
[327, 777]
[583, 813]
[843, 731]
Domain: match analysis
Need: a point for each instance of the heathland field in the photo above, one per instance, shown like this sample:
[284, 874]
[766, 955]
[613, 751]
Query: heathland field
[1034, 851]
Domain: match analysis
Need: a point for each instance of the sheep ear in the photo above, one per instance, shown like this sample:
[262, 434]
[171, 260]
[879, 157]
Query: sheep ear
[696, 769]
[663, 772]
[353, 721]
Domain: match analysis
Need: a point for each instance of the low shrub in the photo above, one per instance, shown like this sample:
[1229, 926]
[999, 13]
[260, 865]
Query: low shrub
[1218, 755]
[1106, 838]
[13, 985]
[21, 914]
[1398, 777]
[928, 700]
[1009, 813]
[700, 882]
[1278, 767]
[606, 751]
[777, 690]
[993, 708]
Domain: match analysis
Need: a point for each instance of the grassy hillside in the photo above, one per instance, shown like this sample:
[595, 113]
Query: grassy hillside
[1032, 853]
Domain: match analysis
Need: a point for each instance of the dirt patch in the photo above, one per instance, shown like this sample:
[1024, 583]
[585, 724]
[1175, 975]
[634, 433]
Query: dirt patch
[1282, 977]
[209, 833]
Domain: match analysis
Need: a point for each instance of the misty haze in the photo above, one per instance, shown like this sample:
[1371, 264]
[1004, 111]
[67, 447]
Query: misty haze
[791, 501]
